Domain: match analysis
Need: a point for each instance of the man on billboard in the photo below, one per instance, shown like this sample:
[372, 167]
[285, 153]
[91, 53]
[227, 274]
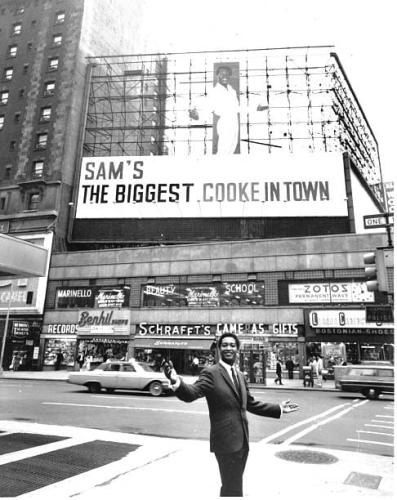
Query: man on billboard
[224, 104]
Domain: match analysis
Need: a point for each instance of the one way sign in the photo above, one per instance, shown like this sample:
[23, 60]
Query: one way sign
[378, 220]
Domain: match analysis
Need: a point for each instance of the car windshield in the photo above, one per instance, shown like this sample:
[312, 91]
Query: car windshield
[145, 366]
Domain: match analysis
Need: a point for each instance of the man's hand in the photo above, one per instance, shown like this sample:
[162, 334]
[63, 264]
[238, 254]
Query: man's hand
[169, 371]
[288, 407]
[193, 113]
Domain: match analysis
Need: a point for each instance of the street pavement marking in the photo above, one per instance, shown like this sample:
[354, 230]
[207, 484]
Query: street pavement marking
[15, 456]
[126, 408]
[298, 424]
[323, 422]
[374, 432]
[384, 416]
[380, 421]
[369, 442]
[381, 426]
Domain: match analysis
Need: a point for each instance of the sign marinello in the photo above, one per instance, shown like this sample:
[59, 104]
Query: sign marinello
[282, 185]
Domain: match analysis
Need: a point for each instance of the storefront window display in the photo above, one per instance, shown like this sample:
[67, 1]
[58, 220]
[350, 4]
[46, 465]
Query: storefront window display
[377, 352]
[182, 359]
[92, 297]
[226, 294]
[54, 346]
[92, 352]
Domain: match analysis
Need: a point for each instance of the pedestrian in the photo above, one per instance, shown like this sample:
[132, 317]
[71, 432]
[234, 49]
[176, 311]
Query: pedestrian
[290, 365]
[195, 365]
[279, 372]
[80, 359]
[228, 399]
[16, 361]
[320, 368]
[58, 360]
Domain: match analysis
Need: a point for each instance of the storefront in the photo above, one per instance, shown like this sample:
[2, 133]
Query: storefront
[261, 345]
[102, 334]
[344, 336]
[23, 338]
[58, 345]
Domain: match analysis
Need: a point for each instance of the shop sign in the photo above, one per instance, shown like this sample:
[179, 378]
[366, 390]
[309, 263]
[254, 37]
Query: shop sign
[355, 331]
[331, 292]
[258, 328]
[346, 319]
[92, 297]
[20, 328]
[204, 294]
[158, 329]
[103, 321]
[255, 329]
[62, 328]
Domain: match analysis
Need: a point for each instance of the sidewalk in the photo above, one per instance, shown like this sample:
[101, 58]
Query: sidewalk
[62, 375]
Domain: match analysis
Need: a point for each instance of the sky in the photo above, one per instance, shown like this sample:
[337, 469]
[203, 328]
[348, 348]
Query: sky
[362, 32]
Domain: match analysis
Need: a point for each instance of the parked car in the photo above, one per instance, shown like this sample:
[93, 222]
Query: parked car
[123, 375]
[371, 380]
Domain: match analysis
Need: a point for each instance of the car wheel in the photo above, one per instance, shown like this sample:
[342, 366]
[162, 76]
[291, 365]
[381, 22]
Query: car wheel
[93, 387]
[110, 391]
[371, 393]
[155, 388]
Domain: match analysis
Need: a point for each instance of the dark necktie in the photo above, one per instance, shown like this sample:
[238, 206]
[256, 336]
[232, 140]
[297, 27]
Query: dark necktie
[236, 383]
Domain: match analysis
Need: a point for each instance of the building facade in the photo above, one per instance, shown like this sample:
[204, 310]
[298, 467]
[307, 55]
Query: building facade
[285, 298]
[43, 50]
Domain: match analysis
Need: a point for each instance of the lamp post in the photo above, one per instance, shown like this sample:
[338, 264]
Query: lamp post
[3, 344]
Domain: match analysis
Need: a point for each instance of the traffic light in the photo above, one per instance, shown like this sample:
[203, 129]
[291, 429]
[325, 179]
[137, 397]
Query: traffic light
[375, 271]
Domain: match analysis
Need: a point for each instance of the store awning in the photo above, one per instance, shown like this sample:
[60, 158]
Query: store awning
[171, 343]
[21, 259]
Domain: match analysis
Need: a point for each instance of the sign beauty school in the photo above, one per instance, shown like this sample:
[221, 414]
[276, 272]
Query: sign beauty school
[279, 185]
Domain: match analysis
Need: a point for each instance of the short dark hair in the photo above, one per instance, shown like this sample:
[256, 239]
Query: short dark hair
[223, 66]
[228, 335]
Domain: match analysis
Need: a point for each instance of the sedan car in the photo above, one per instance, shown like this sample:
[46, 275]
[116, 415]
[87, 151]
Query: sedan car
[370, 380]
[125, 375]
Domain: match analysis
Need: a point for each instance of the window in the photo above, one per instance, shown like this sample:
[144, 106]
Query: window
[34, 200]
[4, 97]
[41, 140]
[21, 93]
[45, 114]
[57, 40]
[13, 145]
[25, 68]
[38, 169]
[17, 28]
[33, 23]
[29, 46]
[12, 50]
[3, 202]
[49, 88]
[8, 72]
[20, 10]
[59, 18]
[53, 63]
[1, 122]
[17, 117]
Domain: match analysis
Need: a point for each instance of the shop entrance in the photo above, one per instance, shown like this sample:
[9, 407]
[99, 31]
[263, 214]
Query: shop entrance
[253, 365]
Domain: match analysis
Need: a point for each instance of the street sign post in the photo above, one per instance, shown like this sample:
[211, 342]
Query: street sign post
[378, 220]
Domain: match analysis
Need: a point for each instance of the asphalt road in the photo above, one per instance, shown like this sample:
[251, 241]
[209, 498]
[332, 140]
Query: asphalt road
[326, 419]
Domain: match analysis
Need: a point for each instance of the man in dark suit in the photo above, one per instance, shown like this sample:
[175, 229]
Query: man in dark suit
[229, 399]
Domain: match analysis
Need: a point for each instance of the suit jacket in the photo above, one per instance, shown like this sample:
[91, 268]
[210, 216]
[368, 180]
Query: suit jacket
[227, 411]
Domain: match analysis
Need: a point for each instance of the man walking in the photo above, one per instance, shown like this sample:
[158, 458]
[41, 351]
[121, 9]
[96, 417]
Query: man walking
[229, 399]
[279, 372]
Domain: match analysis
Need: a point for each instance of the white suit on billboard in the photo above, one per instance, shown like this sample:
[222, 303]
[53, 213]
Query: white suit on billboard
[224, 103]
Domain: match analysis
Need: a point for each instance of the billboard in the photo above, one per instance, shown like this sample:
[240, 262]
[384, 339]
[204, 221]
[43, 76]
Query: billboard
[212, 186]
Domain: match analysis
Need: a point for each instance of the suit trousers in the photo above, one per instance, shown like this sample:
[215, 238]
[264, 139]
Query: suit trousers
[231, 468]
